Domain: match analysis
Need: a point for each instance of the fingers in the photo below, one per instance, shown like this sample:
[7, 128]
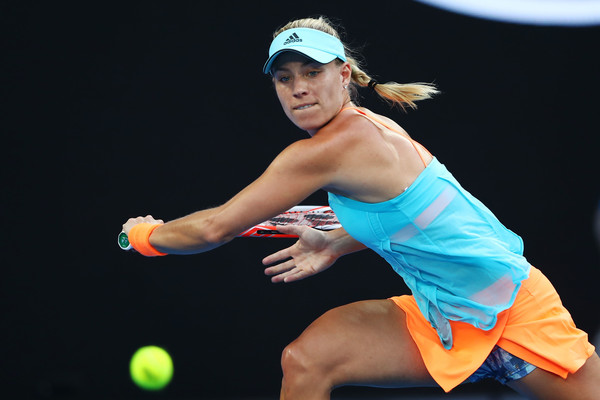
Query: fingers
[292, 229]
[298, 261]
[140, 220]
[290, 271]
[275, 257]
[287, 271]
[292, 251]
[294, 274]
[286, 277]
[280, 268]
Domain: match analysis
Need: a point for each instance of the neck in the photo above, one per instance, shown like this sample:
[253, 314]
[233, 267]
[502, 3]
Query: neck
[347, 104]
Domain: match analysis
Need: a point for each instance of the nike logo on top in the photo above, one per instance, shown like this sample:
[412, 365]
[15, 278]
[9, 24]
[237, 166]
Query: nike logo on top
[294, 38]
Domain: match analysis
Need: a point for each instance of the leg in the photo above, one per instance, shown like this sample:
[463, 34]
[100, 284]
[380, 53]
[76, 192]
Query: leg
[582, 385]
[364, 343]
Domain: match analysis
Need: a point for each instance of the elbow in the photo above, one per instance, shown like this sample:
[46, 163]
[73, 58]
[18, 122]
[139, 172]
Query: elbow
[215, 238]
[213, 234]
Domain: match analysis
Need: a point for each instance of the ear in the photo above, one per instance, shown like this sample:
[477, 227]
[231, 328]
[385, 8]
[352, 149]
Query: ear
[346, 73]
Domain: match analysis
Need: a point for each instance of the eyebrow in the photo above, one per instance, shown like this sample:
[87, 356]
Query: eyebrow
[304, 64]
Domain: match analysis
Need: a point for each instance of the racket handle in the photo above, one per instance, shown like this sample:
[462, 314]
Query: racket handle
[123, 241]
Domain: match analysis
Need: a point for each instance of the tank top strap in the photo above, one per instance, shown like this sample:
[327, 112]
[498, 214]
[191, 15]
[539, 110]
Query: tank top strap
[387, 126]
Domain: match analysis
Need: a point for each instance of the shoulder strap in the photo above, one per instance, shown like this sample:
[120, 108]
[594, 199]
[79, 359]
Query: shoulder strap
[378, 121]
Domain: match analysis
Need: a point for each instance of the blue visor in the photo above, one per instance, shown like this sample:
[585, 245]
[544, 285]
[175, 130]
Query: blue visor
[318, 45]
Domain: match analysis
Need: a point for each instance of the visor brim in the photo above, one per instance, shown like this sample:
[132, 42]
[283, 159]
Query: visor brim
[314, 54]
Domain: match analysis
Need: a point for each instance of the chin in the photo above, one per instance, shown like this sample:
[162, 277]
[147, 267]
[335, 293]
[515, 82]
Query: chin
[309, 124]
[310, 128]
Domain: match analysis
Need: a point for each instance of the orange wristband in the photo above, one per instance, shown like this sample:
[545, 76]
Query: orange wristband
[139, 238]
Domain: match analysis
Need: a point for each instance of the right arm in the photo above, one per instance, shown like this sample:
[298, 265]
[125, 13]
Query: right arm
[314, 252]
[301, 169]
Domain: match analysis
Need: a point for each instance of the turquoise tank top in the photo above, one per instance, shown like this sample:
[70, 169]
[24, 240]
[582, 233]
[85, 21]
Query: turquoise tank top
[459, 261]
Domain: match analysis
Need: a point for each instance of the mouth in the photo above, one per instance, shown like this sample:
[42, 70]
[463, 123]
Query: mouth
[303, 107]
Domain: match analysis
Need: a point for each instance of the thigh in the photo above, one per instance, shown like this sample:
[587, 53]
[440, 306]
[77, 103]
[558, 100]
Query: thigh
[365, 343]
[582, 385]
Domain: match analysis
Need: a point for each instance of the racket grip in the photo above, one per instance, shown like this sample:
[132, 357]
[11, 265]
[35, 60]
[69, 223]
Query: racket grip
[123, 241]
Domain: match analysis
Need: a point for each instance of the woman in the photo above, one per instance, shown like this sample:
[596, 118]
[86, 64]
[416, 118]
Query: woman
[478, 309]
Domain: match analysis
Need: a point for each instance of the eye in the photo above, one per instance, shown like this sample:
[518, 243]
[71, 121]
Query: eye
[283, 78]
[314, 73]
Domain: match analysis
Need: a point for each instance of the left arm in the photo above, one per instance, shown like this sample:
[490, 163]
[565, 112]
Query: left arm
[314, 252]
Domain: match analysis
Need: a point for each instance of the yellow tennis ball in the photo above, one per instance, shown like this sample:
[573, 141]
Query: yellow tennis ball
[151, 368]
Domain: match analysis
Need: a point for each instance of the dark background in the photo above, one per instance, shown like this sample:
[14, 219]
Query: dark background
[119, 109]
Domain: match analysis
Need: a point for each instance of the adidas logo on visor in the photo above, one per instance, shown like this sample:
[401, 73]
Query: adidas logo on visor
[292, 39]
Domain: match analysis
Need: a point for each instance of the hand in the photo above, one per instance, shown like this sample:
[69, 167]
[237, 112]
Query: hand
[140, 220]
[311, 254]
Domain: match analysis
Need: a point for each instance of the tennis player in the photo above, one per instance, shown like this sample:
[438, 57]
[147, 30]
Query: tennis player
[478, 308]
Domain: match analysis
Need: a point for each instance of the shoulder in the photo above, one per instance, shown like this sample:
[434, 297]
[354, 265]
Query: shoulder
[348, 130]
[344, 130]
[350, 120]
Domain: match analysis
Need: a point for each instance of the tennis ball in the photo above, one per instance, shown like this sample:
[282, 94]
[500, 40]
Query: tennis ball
[151, 368]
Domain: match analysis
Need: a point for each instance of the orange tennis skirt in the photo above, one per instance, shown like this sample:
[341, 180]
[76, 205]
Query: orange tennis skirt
[537, 329]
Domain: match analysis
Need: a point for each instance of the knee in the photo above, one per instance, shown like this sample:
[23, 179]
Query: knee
[302, 366]
[295, 360]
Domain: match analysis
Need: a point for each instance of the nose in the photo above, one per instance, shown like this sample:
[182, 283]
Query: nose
[300, 88]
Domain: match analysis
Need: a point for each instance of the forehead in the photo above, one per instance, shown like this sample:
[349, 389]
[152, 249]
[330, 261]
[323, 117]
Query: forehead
[288, 57]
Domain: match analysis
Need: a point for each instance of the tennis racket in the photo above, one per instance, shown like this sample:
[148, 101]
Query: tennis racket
[318, 217]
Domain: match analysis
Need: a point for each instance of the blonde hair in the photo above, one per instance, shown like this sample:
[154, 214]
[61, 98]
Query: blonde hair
[401, 94]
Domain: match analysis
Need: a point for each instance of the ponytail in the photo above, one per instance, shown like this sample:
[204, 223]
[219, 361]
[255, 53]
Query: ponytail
[401, 94]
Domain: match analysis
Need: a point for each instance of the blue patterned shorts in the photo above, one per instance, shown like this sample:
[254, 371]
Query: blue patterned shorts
[503, 367]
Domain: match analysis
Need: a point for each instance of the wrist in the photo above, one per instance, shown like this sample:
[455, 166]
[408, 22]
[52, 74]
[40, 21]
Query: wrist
[342, 243]
[346, 244]
[139, 238]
